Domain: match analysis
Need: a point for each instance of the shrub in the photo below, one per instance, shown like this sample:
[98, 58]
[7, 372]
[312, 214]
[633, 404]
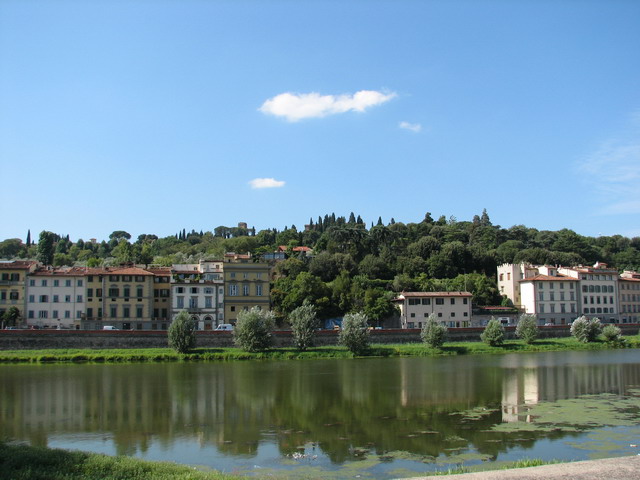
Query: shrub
[304, 322]
[586, 329]
[433, 332]
[613, 335]
[355, 332]
[527, 328]
[493, 333]
[252, 332]
[182, 333]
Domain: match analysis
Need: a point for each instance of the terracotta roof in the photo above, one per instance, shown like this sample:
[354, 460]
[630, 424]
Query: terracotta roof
[160, 270]
[434, 294]
[548, 278]
[17, 265]
[59, 272]
[130, 271]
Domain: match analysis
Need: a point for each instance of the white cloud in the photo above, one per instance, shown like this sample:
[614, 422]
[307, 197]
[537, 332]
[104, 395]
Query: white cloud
[297, 106]
[266, 183]
[614, 174]
[414, 127]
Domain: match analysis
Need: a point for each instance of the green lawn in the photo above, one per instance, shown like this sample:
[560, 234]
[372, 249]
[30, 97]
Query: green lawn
[222, 354]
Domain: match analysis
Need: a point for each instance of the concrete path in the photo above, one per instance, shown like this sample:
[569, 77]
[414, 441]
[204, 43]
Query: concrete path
[622, 468]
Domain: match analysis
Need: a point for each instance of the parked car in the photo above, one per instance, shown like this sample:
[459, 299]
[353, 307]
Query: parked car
[224, 327]
[109, 327]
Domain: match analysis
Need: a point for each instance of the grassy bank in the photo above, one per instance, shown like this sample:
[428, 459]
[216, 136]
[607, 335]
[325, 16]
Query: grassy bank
[224, 354]
[21, 462]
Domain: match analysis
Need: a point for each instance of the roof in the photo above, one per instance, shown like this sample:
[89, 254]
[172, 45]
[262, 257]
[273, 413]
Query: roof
[17, 265]
[433, 294]
[549, 278]
[130, 271]
[60, 272]
[284, 248]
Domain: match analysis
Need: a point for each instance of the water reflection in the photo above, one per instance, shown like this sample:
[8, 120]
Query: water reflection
[427, 407]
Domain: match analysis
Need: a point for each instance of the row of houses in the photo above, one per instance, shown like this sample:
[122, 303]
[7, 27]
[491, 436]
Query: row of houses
[132, 297]
[557, 295]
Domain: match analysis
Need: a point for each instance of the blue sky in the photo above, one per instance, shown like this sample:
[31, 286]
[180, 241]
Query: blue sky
[153, 116]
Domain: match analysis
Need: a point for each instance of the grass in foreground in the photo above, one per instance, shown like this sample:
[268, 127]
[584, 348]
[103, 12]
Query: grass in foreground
[224, 354]
[21, 462]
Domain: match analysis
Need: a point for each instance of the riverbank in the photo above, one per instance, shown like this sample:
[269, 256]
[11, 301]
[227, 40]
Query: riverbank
[230, 353]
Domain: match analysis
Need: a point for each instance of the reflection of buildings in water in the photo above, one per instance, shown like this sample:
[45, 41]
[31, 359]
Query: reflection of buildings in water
[525, 387]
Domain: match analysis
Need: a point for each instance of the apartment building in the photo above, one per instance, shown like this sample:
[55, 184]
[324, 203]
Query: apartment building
[13, 277]
[451, 308]
[198, 289]
[120, 297]
[629, 288]
[161, 314]
[246, 285]
[56, 297]
[509, 277]
[598, 291]
[553, 297]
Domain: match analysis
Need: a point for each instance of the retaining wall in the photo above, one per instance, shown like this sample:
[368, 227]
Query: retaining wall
[44, 339]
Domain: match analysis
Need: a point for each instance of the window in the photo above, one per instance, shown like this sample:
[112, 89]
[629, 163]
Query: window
[465, 314]
[56, 283]
[32, 283]
[414, 301]
[126, 291]
[541, 285]
[43, 314]
[193, 302]
[552, 296]
[413, 315]
[453, 301]
[139, 278]
[67, 314]
[233, 290]
[89, 292]
[14, 295]
[180, 290]
[541, 296]
[259, 290]
[114, 291]
[439, 301]
[585, 289]
[31, 314]
[79, 314]
[32, 298]
[126, 311]
[465, 301]
[98, 292]
[43, 298]
[43, 283]
[56, 299]
[114, 311]
[426, 301]
[194, 289]
[245, 289]
[541, 308]
[180, 302]
[79, 282]
[208, 291]
[90, 312]
[207, 302]
[440, 314]
[67, 283]
[453, 314]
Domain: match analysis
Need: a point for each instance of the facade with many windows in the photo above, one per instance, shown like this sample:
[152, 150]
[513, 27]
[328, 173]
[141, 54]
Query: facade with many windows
[56, 298]
[598, 291]
[629, 288]
[246, 285]
[453, 309]
[12, 285]
[552, 297]
[198, 289]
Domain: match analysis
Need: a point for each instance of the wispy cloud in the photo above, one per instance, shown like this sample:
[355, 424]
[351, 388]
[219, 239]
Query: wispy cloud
[414, 127]
[613, 171]
[297, 106]
[266, 183]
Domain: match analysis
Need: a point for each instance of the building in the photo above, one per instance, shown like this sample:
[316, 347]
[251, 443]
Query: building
[246, 285]
[161, 315]
[552, 297]
[120, 297]
[598, 291]
[451, 308]
[509, 276]
[13, 276]
[198, 289]
[629, 288]
[56, 297]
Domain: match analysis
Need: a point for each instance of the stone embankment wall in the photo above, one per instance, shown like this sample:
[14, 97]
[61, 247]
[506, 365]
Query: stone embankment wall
[43, 339]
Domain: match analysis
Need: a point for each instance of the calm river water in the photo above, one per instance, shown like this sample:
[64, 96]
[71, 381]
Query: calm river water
[372, 418]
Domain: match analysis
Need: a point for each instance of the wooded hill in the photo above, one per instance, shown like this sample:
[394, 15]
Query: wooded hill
[354, 267]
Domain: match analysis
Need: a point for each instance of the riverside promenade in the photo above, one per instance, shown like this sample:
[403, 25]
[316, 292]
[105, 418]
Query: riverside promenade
[622, 468]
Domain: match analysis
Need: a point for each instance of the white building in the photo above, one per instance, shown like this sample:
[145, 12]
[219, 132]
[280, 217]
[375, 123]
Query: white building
[55, 297]
[598, 291]
[629, 288]
[451, 308]
[554, 298]
[199, 289]
[509, 276]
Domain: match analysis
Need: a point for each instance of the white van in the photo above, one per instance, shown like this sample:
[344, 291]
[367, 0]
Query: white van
[227, 327]
[109, 327]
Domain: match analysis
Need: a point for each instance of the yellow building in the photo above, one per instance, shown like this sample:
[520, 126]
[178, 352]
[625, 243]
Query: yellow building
[161, 315]
[13, 277]
[120, 297]
[246, 285]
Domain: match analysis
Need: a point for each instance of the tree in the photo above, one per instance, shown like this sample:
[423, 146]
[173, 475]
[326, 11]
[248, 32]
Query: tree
[119, 235]
[11, 317]
[304, 322]
[527, 328]
[613, 335]
[182, 334]
[355, 333]
[253, 329]
[433, 333]
[586, 329]
[45, 247]
[493, 333]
